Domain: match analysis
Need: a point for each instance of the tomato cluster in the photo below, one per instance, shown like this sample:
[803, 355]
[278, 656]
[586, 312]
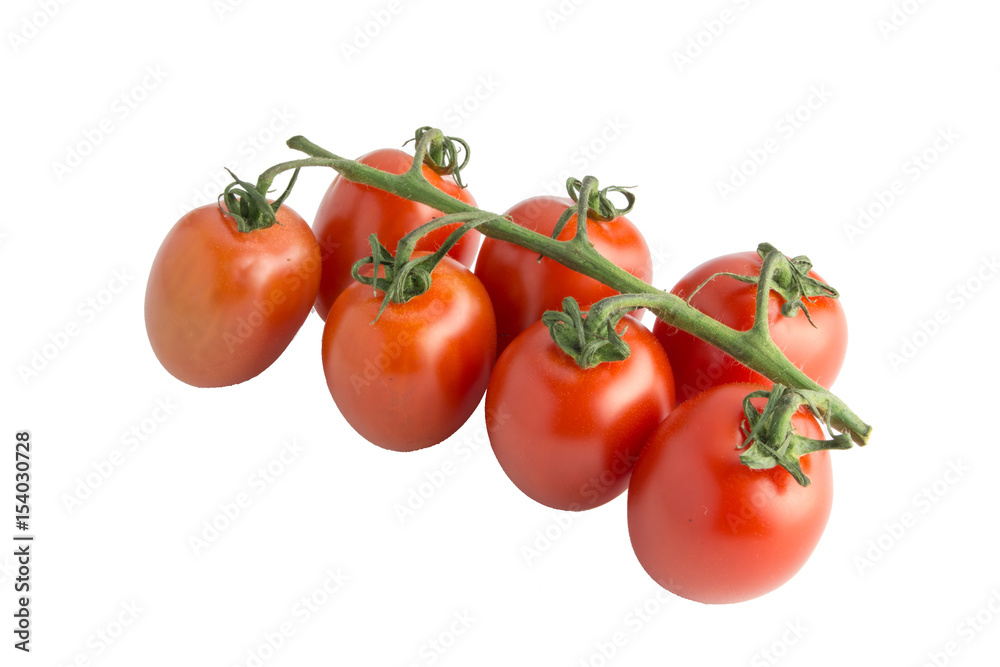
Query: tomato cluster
[665, 422]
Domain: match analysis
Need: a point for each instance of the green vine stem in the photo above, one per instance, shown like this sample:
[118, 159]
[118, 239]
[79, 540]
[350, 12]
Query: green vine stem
[753, 348]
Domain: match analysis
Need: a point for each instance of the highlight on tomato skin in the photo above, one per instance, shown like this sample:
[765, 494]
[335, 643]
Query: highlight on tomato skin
[818, 350]
[710, 529]
[569, 436]
[221, 305]
[412, 378]
[349, 213]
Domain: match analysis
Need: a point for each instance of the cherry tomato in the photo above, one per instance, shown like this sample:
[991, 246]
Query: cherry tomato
[221, 304]
[819, 351]
[710, 529]
[522, 288]
[567, 436]
[415, 376]
[350, 213]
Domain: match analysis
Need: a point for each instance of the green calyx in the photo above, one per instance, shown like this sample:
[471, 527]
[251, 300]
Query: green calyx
[771, 439]
[592, 203]
[792, 281]
[441, 153]
[404, 278]
[401, 280]
[789, 277]
[248, 205]
[590, 339]
[599, 204]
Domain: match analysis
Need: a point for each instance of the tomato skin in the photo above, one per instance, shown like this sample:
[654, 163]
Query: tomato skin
[414, 377]
[350, 213]
[522, 288]
[706, 527]
[222, 305]
[567, 436]
[698, 366]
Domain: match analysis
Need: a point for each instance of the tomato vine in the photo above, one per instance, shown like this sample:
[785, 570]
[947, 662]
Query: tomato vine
[753, 347]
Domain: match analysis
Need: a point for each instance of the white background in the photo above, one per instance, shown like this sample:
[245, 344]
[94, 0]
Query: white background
[541, 91]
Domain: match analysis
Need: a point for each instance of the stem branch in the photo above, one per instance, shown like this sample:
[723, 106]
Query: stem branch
[752, 348]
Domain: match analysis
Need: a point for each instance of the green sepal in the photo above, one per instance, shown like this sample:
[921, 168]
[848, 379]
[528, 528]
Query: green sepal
[791, 280]
[771, 439]
[247, 203]
[590, 345]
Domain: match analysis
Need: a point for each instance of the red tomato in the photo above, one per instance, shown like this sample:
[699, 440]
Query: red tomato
[522, 288]
[710, 529]
[567, 436]
[221, 304]
[819, 351]
[412, 378]
[350, 213]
